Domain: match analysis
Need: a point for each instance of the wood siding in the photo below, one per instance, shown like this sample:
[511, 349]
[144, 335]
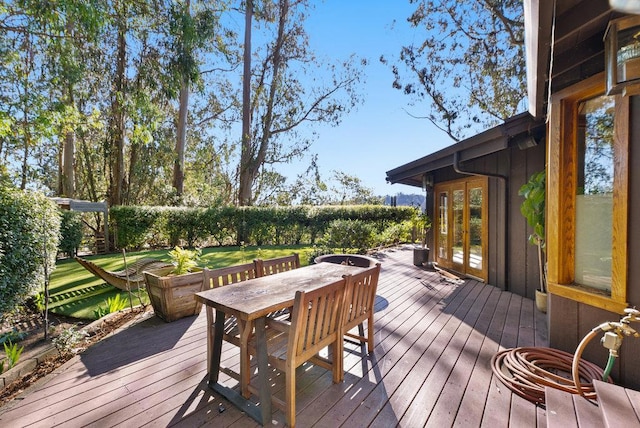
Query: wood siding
[512, 261]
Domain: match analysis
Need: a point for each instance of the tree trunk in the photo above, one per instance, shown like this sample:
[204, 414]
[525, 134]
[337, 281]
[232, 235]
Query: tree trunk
[68, 165]
[117, 132]
[244, 185]
[253, 159]
[181, 132]
[181, 138]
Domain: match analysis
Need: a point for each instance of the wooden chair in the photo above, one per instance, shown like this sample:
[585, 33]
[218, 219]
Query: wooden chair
[315, 324]
[359, 301]
[277, 265]
[214, 278]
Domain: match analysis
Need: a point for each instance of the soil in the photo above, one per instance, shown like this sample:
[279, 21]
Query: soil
[32, 323]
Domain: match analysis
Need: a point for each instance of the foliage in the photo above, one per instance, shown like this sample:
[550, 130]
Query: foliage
[348, 235]
[39, 301]
[29, 224]
[396, 233]
[165, 226]
[319, 251]
[134, 224]
[138, 90]
[288, 92]
[12, 336]
[183, 260]
[70, 232]
[114, 304]
[70, 341]
[421, 224]
[470, 65]
[533, 209]
[533, 206]
[13, 353]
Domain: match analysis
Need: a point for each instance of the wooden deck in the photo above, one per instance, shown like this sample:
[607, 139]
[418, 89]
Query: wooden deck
[434, 342]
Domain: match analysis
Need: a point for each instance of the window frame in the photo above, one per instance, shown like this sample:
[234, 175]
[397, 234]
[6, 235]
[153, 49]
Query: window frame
[562, 176]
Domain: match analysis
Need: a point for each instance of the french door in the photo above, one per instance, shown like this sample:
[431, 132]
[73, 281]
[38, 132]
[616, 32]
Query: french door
[461, 225]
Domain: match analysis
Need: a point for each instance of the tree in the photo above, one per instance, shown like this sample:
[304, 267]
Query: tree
[286, 94]
[471, 65]
[350, 191]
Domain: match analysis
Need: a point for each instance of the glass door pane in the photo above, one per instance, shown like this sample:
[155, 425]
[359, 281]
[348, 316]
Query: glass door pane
[475, 229]
[458, 229]
[443, 225]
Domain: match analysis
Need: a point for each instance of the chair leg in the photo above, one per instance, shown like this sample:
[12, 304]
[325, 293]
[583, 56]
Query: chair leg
[370, 332]
[290, 395]
[337, 361]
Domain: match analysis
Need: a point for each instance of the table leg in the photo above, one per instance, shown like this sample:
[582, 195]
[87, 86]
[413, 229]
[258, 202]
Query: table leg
[246, 328]
[214, 339]
[263, 370]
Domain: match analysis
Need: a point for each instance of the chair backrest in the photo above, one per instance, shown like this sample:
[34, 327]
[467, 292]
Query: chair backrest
[277, 265]
[315, 320]
[214, 278]
[360, 296]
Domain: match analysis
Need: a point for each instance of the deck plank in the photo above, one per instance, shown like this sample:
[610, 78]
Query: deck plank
[430, 366]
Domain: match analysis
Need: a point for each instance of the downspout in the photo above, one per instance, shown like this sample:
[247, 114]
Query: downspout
[503, 178]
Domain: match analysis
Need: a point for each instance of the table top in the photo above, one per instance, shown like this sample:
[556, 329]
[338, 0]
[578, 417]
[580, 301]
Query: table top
[255, 298]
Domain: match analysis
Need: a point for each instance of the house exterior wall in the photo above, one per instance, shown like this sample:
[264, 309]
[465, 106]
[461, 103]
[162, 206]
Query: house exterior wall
[570, 321]
[512, 261]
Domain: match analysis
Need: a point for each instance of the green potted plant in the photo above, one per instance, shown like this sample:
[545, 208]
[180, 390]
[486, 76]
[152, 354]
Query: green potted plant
[533, 209]
[421, 223]
[172, 289]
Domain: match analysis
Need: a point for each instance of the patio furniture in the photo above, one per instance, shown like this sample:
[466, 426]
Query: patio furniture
[360, 298]
[277, 265]
[347, 259]
[214, 278]
[132, 275]
[315, 324]
[251, 302]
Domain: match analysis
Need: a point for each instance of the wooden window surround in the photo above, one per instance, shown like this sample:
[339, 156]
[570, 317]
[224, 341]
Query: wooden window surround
[562, 173]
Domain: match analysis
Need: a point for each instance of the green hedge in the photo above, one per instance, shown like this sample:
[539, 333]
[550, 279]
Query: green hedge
[29, 224]
[70, 232]
[168, 226]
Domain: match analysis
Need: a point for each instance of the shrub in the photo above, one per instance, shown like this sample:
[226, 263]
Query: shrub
[183, 260]
[396, 233]
[349, 234]
[29, 225]
[70, 341]
[13, 353]
[70, 232]
[114, 304]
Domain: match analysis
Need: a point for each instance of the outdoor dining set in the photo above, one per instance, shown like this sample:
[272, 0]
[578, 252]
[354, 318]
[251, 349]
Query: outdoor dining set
[284, 315]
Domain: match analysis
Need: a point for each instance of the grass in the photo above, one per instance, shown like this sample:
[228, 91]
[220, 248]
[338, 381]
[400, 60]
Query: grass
[75, 292]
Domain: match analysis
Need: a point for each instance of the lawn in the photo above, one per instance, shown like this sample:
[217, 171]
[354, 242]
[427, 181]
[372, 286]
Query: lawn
[77, 293]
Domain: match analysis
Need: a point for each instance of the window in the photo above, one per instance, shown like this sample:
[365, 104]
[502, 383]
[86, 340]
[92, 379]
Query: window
[587, 195]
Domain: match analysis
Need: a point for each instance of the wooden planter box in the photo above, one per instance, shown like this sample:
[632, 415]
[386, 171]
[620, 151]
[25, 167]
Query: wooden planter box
[173, 297]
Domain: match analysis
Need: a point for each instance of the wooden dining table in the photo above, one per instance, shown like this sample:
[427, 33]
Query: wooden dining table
[251, 301]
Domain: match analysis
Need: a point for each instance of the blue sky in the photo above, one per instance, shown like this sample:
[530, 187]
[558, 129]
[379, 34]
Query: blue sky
[380, 135]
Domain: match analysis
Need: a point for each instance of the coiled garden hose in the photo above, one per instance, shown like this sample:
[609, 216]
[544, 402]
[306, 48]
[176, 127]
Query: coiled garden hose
[528, 370]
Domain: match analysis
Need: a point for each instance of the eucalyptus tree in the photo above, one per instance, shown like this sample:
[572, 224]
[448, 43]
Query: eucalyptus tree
[44, 71]
[288, 93]
[470, 67]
